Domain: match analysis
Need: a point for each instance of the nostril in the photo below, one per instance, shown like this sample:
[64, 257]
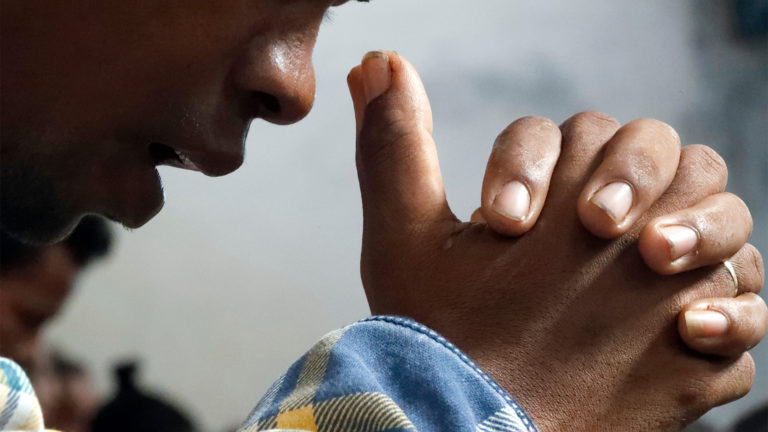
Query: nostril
[279, 108]
[267, 105]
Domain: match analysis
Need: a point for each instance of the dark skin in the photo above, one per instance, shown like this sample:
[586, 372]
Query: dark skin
[612, 359]
[96, 95]
[187, 75]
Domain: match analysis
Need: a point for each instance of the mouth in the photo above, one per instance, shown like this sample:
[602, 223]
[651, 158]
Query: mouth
[165, 155]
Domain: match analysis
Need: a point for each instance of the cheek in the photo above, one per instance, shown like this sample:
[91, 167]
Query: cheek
[155, 66]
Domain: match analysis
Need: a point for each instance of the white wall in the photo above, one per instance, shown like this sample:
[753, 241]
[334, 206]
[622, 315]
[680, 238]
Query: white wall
[239, 275]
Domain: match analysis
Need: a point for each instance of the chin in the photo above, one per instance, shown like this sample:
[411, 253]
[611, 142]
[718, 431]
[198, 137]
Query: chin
[37, 230]
[30, 208]
[133, 199]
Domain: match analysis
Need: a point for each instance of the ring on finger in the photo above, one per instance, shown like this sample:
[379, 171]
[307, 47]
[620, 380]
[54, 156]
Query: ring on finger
[729, 266]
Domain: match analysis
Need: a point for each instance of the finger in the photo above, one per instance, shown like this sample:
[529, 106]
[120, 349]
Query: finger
[638, 165]
[750, 270]
[518, 174]
[724, 326]
[399, 175]
[723, 381]
[700, 173]
[583, 138]
[704, 234]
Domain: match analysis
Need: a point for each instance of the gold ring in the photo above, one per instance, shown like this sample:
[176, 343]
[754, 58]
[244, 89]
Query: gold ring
[728, 265]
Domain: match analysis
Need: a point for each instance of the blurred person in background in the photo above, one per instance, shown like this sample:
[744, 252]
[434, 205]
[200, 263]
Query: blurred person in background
[35, 282]
[64, 386]
[99, 101]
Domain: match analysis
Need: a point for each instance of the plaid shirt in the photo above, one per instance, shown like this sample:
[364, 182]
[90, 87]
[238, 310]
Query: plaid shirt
[19, 408]
[381, 374]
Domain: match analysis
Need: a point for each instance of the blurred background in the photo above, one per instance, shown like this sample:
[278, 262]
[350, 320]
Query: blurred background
[239, 275]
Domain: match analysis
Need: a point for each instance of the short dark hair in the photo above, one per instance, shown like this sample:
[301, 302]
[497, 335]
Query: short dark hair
[91, 239]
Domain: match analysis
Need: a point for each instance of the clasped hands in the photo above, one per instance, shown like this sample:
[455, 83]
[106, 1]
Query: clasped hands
[589, 283]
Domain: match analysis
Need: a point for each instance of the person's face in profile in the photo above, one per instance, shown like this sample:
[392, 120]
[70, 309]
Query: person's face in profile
[96, 94]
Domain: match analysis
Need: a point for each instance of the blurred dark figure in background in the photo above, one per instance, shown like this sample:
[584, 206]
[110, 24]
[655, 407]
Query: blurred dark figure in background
[35, 282]
[134, 410]
[752, 17]
[754, 421]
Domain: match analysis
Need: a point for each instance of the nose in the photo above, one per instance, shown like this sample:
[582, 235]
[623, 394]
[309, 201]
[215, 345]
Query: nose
[279, 79]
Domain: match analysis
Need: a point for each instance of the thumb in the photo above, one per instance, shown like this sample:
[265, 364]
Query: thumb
[397, 164]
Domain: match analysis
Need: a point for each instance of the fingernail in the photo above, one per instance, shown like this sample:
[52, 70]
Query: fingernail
[706, 323]
[681, 240]
[514, 201]
[377, 75]
[615, 199]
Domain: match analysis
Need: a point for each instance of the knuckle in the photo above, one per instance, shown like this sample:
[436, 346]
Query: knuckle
[732, 380]
[386, 132]
[589, 120]
[657, 127]
[745, 369]
[697, 396]
[534, 122]
[757, 260]
[533, 126]
[763, 321]
[736, 201]
[709, 163]
[740, 211]
[752, 264]
[377, 149]
[762, 315]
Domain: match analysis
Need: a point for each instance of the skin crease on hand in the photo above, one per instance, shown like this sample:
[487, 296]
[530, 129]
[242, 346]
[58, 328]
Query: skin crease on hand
[582, 333]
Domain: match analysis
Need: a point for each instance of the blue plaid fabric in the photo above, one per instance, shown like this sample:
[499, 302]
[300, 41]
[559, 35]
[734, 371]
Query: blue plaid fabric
[386, 374]
[19, 408]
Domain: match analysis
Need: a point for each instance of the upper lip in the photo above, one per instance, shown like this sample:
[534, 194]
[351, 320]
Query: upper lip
[210, 163]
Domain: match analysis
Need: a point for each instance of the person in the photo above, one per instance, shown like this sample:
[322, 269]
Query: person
[67, 395]
[35, 282]
[117, 89]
